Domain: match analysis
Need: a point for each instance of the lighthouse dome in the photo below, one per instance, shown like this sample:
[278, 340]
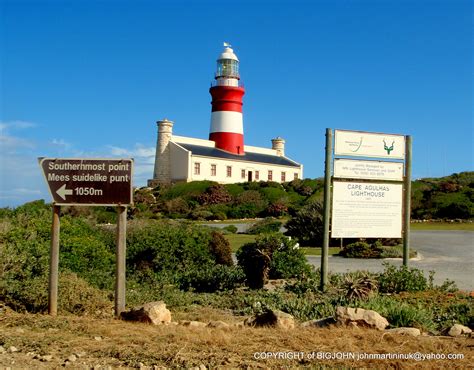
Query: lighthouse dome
[228, 53]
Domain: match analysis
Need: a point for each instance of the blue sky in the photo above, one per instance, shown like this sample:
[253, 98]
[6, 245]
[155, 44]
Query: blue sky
[90, 78]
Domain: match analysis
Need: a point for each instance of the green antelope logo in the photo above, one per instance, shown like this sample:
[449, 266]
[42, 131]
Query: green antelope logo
[388, 148]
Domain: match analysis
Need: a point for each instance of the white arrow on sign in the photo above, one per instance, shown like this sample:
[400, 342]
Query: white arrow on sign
[62, 192]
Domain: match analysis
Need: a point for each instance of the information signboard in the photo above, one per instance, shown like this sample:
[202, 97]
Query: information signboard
[75, 181]
[368, 144]
[366, 210]
[373, 170]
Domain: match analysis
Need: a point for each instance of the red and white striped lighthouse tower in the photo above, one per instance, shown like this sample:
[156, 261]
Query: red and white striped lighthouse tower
[227, 129]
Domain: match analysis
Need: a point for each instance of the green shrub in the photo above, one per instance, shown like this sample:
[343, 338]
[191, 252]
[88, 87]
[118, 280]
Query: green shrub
[267, 225]
[271, 255]
[400, 314]
[166, 247]
[231, 229]
[88, 251]
[307, 225]
[248, 210]
[359, 287]
[289, 262]
[211, 278]
[360, 250]
[220, 249]
[401, 279]
[201, 214]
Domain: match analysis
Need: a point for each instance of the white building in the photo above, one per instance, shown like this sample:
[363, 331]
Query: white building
[223, 158]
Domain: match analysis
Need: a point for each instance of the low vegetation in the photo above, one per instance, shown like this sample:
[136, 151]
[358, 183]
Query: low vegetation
[186, 264]
[173, 258]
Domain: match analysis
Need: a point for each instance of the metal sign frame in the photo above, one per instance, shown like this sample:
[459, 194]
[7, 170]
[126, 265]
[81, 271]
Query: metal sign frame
[328, 179]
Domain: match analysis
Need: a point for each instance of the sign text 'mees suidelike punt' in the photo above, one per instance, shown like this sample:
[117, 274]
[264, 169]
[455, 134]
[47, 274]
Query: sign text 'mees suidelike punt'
[89, 181]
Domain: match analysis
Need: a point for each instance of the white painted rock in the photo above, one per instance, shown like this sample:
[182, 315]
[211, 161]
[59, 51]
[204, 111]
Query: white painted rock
[367, 318]
[458, 329]
[154, 313]
[414, 332]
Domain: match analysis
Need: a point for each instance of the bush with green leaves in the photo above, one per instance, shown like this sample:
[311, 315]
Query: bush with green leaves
[271, 255]
[400, 314]
[359, 287]
[220, 249]
[24, 259]
[360, 249]
[211, 278]
[165, 247]
[307, 225]
[267, 225]
[401, 279]
[231, 229]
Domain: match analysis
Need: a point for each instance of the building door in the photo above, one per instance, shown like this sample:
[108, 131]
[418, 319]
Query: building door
[250, 176]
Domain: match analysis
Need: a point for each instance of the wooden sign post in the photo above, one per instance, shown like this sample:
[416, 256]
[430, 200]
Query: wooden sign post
[89, 182]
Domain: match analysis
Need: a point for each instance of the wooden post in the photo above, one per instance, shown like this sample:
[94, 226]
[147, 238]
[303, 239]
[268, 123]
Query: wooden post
[327, 209]
[120, 260]
[54, 263]
[407, 201]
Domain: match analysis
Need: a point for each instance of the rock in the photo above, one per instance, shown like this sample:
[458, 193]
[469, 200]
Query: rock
[12, 349]
[194, 324]
[72, 358]
[458, 329]
[2, 350]
[46, 358]
[277, 319]
[218, 325]
[414, 332]
[154, 313]
[98, 339]
[367, 318]
[321, 323]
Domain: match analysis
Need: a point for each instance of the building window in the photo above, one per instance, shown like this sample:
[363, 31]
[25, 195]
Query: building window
[242, 174]
[283, 176]
[213, 170]
[257, 175]
[270, 175]
[197, 168]
[296, 176]
[229, 171]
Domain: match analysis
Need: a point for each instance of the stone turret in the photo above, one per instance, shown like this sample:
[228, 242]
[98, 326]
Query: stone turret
[278, 144]
[162, 171]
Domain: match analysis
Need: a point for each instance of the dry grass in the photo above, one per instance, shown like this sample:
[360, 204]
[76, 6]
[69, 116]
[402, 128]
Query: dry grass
[131, 344]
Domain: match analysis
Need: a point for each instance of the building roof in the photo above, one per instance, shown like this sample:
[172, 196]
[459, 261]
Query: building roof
[206, 151]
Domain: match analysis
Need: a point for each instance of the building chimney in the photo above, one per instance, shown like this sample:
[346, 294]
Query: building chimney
[278, 144]
[162, 171]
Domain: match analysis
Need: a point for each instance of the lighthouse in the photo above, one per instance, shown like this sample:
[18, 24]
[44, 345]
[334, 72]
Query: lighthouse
[227, 129]
[222, 158]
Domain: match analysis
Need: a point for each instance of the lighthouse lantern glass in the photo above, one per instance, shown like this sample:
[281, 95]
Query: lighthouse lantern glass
[227, 68]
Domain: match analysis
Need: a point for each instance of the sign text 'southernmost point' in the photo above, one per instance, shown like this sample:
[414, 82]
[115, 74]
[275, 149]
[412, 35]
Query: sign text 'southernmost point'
[89, 181]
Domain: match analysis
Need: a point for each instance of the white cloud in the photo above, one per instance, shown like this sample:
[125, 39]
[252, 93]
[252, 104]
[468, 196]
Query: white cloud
[144, 161]
[16, 125]
[18, 193]
[61, 144]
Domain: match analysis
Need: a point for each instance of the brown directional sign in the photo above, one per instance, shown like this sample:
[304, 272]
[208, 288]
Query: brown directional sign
[76, 181]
